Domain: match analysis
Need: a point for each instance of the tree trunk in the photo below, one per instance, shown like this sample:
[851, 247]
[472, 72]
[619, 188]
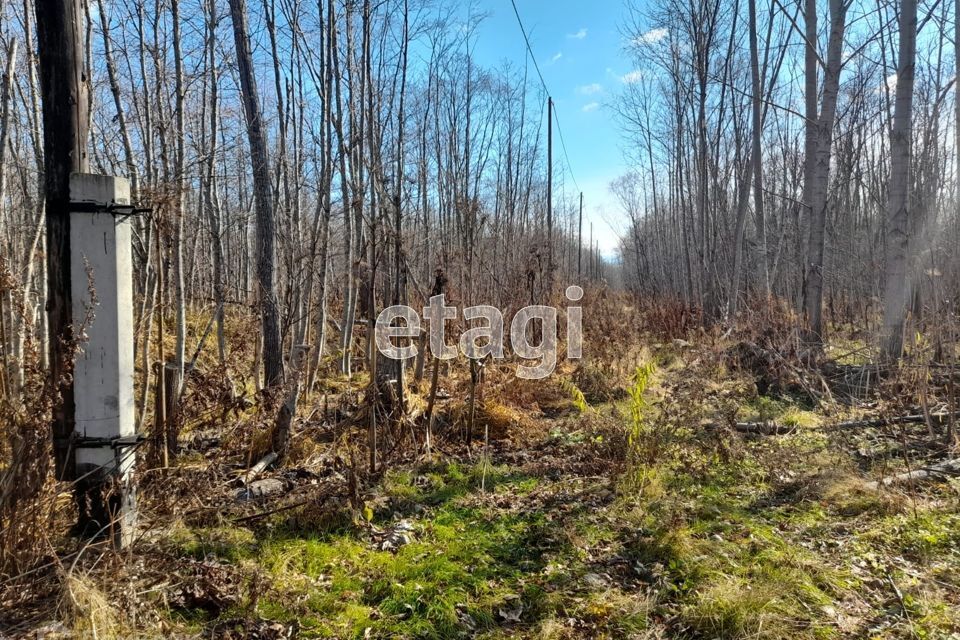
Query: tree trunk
[12, 371]
[210, 190]
[757, 148]
[811, 111]
[819, 176]
[272, 352]
[898, 287]
[350, 189]
[179, 294]
[322, 234]
[118, 103]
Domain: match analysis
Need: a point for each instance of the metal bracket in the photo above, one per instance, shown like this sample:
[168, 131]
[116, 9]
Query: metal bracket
[122, 442]
[122, 211]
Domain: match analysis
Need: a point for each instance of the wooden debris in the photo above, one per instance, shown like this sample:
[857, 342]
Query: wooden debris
[938, 418]
[260, 467]
[946, 468]
[770, 428]
[756, 428]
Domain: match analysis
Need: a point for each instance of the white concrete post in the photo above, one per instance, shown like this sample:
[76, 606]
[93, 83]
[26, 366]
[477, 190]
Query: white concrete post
[102, 291]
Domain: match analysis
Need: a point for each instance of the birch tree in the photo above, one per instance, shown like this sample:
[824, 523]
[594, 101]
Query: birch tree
[818, 172]
[897, 291]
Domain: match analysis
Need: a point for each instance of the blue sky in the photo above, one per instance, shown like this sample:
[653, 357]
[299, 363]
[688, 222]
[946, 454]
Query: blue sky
[578, 46]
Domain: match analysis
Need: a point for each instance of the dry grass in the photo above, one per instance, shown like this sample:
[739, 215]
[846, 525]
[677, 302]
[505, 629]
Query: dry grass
[27, 489]
[722, 523]
[88, 611]
[502, 419]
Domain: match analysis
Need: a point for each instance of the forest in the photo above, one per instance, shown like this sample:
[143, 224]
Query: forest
[306, 330]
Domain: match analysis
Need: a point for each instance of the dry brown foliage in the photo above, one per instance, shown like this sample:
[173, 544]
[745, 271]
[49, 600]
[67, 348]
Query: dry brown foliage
[27, 488]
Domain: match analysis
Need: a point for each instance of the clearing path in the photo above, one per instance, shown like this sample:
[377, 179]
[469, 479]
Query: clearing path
[637, 517]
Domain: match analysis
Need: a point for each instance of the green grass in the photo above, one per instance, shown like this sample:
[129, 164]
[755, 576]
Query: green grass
[461, 569]
[770, 543]
[729, 571]
[465, 564]
[437, 484]
[783, 411]
[231, 544]
[922, 536]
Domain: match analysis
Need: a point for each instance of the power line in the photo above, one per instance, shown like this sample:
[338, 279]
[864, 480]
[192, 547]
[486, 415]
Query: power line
[529, 48]
[563, 145]
[543, 83]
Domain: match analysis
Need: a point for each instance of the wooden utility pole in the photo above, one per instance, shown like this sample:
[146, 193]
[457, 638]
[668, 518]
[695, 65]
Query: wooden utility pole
[592, 273]
[549, 196]
[64, 88]
[580, 238]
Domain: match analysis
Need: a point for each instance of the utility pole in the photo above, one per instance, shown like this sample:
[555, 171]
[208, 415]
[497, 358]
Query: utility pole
[64, 89]
[599, 260]
[104, 438]
[89, 291]
[580, 237]
[549, 196]
[592, 271]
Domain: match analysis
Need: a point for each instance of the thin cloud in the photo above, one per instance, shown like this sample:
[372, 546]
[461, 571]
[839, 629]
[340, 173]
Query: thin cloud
[632, 77]
[579, 35]
[889, 85]
[556, 57]
[892, 83]
[590, 89]
[653, 36]
[592, 106]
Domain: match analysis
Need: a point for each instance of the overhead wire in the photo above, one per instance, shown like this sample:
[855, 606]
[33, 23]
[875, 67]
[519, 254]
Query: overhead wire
[543, 83]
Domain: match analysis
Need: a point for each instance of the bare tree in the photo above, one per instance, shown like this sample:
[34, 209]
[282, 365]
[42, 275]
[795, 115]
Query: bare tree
[819, 171]
[272, 352]
[897, 292]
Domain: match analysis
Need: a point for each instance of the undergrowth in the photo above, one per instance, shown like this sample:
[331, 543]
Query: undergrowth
[615, 501]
